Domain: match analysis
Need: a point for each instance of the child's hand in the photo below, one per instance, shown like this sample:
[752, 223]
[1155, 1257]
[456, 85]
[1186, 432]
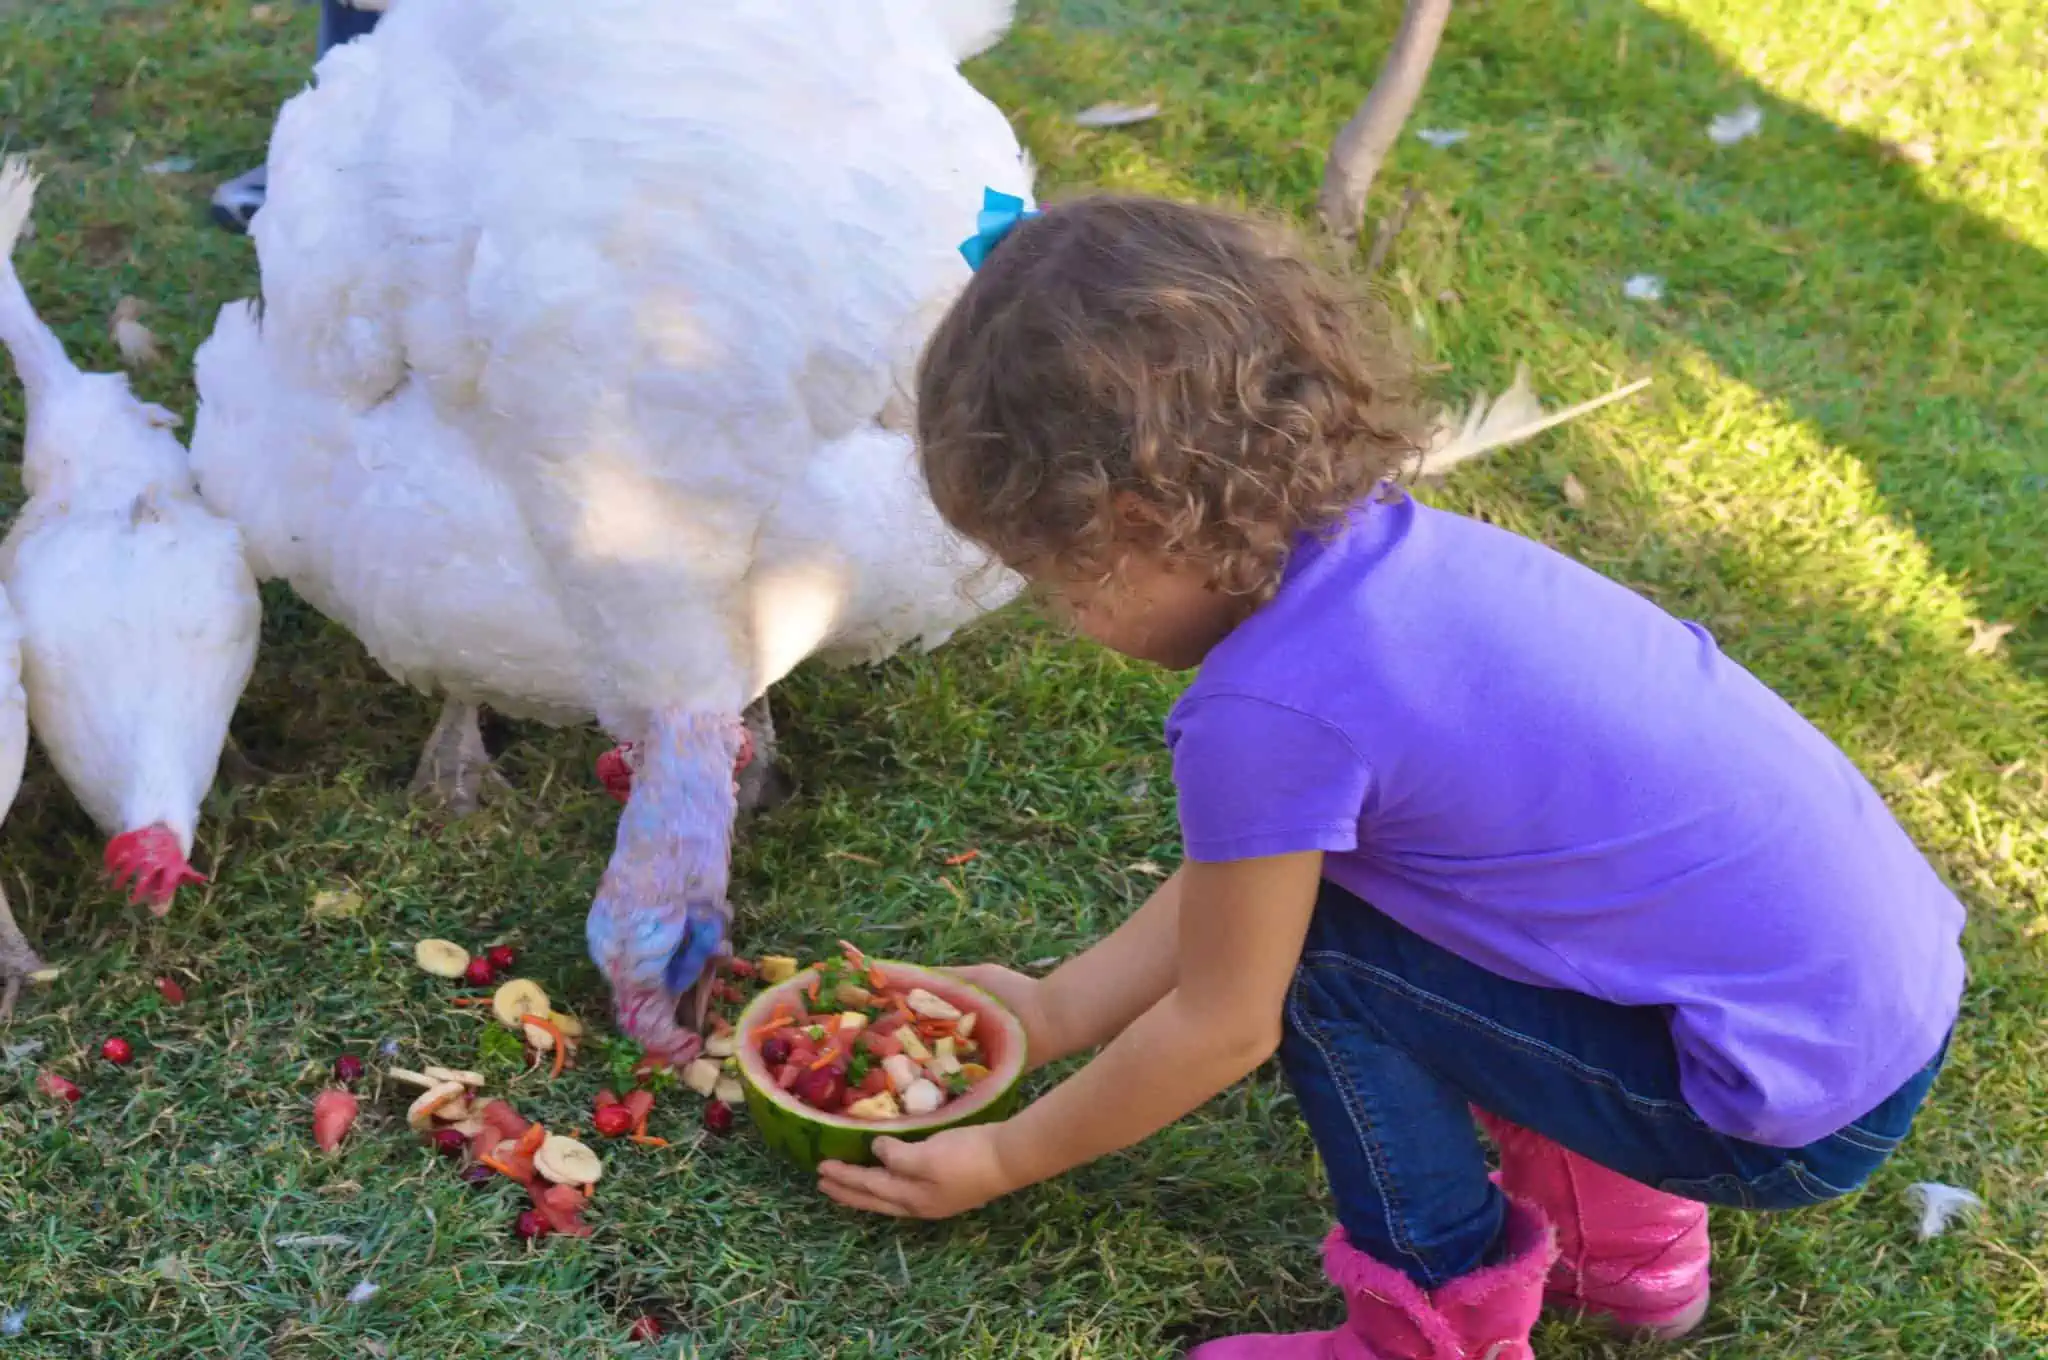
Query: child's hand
[1026, 998]
[949, 1173]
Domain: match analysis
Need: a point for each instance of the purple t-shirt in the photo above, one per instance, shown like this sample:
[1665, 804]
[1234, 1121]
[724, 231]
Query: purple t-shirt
[1543, 772]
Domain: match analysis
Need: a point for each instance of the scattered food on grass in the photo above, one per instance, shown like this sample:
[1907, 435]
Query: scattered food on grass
[612, 1121]
[530, 1225]
[118, 1051]
[50, 1084]
[644, 1328]
[718, 1117]
[334, 1112]
[442, 958]
[171, 992]
[479, 973]
[502, 957]
[348, 1069]
[1941, 1206]
[1441, 138]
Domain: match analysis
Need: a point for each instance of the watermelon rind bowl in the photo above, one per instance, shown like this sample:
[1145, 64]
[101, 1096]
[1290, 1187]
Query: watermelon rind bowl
[807, 1137]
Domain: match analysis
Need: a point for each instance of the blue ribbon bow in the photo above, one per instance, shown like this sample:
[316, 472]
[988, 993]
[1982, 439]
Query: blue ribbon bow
[1000, 214]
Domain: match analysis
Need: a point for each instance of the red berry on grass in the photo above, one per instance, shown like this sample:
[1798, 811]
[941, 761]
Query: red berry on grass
[449, 1142]
[531, 1225]
[612, 1120]
[118, 1051]
[479, 973]
[348, 1069]
[644, 1328]
[501, 957]
[718, 1117]
[775, 1050]
[171, 991]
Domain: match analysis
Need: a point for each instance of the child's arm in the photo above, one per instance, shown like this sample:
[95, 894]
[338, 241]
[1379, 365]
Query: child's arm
[1094, 996]
[1241, 927]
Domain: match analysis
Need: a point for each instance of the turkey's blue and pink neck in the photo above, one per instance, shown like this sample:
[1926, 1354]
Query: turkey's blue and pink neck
[661, 913]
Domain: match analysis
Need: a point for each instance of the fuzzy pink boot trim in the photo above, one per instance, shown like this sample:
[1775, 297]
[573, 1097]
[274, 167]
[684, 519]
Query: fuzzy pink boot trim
[1486, 1315]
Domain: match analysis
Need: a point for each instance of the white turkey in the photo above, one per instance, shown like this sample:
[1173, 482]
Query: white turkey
[576, 387]
[18, 960]
[138, 613]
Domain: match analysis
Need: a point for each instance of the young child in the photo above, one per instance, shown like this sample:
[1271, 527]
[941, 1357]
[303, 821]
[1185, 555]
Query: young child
[1474, 836]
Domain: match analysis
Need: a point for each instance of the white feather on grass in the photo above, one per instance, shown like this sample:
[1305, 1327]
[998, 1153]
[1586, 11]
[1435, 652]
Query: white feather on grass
[1940, 1206]
[1491, 423]
[136, 341]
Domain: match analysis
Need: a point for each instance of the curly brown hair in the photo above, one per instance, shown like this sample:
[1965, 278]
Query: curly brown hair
[1117, 354]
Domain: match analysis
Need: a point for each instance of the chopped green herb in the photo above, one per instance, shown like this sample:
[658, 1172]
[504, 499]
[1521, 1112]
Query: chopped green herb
[857, 1070]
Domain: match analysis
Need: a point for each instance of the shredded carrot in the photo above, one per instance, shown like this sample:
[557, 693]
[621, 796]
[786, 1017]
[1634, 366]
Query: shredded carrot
[811, 989]
[876, 982]
[469, 1000]
[830, 1054]
[779, 1022]
[561, 1040]
[965, 857]
[648, 1140]
[494, 1164]
[530, 1141]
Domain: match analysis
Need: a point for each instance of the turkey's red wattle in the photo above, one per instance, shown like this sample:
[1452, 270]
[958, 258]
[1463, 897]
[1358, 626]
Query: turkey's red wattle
[615, 767]
[150, 864]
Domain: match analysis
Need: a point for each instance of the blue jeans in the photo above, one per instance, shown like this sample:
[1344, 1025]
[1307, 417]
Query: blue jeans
[1390, 1039]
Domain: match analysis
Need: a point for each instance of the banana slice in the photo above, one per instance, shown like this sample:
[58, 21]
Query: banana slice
[442, 958]
[568, 1024]
[702, 1076]
[421, 1114]
[412, 1078]
[722, 1045]
[441, 1074]
[518, 999]
[567, 1162]
[468, 1128]
[455, 1111]
[729, 1091]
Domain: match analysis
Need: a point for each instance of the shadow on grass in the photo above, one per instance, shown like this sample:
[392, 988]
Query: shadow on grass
[1810, 263]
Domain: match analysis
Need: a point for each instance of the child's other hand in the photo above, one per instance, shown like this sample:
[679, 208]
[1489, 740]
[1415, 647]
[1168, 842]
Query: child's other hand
[1026, 998]
[947, 1174]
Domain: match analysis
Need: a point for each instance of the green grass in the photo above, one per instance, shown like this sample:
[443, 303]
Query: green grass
[1843, 463]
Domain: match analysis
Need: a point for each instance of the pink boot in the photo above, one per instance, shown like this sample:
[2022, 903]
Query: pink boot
[1486, 1315]
[1637, 1255]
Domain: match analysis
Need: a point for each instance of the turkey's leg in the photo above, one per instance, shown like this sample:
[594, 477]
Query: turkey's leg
[455, 767]
[18, 962]
[762, 783]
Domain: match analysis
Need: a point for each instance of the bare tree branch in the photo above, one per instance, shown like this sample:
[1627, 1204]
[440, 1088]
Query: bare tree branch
[1356, 155]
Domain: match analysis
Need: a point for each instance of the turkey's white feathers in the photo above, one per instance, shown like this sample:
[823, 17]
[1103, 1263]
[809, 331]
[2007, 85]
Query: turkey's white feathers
[579, 325]
[1498, 422]
[138, 614]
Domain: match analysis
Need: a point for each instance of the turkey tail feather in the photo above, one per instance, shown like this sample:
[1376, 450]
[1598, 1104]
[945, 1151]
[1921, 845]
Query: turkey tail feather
[1510, 418]
[38, 355]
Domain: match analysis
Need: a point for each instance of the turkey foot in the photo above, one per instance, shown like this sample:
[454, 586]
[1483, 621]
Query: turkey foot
[455, 768]
[762, 783]
[18, 962]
